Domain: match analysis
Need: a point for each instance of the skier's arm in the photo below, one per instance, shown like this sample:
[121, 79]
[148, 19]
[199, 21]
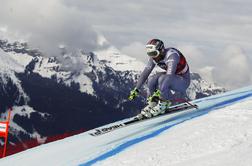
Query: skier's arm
[172, 63]
[145, 74]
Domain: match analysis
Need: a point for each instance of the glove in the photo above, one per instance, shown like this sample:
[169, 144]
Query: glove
[133, 94]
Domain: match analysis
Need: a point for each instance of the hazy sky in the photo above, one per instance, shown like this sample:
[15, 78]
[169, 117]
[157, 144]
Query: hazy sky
[214, 35]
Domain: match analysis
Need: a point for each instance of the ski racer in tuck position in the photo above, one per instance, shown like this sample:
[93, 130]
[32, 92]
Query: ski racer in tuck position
[176, 78]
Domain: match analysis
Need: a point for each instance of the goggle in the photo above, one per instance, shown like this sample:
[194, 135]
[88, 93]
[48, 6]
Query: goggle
[151, 51]
[153, 54]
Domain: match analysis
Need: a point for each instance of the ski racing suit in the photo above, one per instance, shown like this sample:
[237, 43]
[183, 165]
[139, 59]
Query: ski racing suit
[176, 76]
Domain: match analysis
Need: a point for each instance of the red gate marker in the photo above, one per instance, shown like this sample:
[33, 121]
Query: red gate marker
[4, 128]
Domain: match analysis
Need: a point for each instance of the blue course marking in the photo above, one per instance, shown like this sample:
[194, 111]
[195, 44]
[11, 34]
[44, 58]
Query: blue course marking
[223, 95]
[126, 145]
[208, 109]
[181, 119]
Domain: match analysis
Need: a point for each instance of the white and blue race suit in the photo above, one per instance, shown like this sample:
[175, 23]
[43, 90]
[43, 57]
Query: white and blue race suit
[176, 75]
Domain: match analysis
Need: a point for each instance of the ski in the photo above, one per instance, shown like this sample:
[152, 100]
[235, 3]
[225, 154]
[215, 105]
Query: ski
[173, 109]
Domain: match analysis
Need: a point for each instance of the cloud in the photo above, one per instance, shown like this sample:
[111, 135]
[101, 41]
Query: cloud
[207, 74]
[201, 29]
[137, 50]
[233, 68]
[46, 25]
[123, 22]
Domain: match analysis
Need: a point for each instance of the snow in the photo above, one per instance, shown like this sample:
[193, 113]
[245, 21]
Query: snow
[86, 84]
[24, 111]
[9, 63]
[74, 68]
[213, 139]
[119, 61]
[22, 59]
[224, 137]
[8, 75]
[44, 68]
[218, 133]
[47, 70]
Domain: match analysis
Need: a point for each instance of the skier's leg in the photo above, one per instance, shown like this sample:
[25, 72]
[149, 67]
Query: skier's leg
[165, 89]
[166, 84]
[153, 83]
[176, 83]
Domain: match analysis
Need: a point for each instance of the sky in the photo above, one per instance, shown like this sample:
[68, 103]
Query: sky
[214, 35]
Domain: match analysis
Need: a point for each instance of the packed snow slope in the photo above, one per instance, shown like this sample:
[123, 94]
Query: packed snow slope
[219, 132]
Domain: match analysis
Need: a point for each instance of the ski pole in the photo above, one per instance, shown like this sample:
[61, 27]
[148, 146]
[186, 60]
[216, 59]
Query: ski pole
[186, 101]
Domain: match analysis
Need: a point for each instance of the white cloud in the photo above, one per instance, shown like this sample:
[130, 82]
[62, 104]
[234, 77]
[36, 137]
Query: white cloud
[137, 50]
[47, 24]
[233, 68]
[3, 29]
[207, 73]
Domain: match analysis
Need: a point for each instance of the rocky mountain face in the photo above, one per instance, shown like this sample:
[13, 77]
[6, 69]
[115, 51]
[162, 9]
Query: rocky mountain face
[72, 92]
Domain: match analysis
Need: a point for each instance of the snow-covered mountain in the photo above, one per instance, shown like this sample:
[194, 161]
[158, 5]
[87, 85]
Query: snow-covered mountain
[72, 92]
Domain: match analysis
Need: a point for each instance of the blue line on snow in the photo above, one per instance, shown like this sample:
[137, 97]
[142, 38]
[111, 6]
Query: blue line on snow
[220, 96]
[126, 145]
[129, 143]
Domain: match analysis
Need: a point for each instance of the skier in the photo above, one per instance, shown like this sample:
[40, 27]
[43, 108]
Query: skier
[176, 77]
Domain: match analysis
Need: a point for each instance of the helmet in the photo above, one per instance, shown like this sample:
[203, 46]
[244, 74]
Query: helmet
[154, 48]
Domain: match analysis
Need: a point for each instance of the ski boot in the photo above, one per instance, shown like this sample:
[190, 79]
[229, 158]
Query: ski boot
[160, 108]
[152, 102]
